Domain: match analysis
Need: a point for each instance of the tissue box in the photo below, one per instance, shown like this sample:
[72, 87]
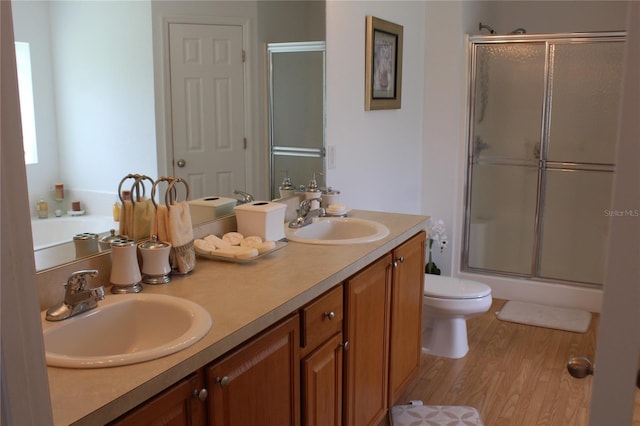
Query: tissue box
[262, 218]
[209, 208]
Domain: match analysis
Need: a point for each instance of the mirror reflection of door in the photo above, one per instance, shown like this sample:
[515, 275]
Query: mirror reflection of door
[207, 107]
[296, 112]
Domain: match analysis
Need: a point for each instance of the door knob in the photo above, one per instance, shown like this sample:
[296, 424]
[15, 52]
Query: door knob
[580, 366]
[181, 162]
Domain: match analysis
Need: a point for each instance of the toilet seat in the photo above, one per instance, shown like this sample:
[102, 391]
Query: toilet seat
[437, 286]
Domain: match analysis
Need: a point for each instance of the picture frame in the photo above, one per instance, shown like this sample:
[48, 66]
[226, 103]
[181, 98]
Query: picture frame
[383, 64]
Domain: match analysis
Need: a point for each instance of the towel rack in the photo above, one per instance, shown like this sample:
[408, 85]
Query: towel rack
[138, 183]
[171, 193]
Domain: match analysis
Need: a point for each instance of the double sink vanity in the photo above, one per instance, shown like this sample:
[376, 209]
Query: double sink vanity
[311, 332]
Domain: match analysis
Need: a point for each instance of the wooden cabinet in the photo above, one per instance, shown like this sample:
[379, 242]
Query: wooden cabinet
[181, 404]
[367, 297]
[258, 383]
[322, 384]
[344, 358]
[383, 328]
[405, 345]
[321, 342]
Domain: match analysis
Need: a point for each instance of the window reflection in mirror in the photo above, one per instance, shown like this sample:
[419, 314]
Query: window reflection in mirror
[25, 90]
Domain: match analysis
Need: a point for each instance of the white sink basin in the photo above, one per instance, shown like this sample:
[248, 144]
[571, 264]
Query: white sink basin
[125, 329]
[338, 230]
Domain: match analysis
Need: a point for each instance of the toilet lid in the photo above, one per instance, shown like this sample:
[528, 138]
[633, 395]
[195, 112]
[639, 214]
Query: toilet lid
[454, 288]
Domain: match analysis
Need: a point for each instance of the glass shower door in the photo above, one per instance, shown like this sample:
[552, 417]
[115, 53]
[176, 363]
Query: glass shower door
[585, 88]
[543, 128]
[507, 118]
[296, 112]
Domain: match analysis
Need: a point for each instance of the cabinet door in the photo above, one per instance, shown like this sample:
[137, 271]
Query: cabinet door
[177, 406]
[259, 383]
[367, 329]
[322, 385]
[405, 347]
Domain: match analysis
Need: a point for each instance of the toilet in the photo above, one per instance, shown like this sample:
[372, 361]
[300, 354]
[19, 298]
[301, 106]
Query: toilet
[448, 303]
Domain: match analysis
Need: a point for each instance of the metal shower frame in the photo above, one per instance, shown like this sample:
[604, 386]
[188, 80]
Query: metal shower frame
[542, 164]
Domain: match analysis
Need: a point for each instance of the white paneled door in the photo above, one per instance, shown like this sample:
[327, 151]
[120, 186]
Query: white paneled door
[207, 107]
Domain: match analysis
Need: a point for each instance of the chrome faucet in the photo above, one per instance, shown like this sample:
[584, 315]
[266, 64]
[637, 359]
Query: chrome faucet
[243, 197]
[305, 214]
[77, 299]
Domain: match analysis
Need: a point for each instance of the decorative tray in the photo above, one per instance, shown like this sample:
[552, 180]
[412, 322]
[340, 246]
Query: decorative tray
[279, 245]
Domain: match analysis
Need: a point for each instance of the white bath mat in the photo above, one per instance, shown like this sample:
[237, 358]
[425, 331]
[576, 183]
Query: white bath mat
[567, 319]
[434, 415]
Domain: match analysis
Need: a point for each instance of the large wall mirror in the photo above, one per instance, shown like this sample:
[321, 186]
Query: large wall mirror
[98, 72]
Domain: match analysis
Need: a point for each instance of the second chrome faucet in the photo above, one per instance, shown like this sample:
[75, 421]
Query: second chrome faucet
[306, 214]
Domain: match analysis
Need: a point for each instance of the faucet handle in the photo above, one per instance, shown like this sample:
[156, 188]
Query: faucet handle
[77, 280]
[305, 205]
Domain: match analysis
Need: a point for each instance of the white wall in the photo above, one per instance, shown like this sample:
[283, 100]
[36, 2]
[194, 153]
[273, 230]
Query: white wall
[378, 153]
[93, 94]
[104, 83]
[413, 160]
[444, 125]
[31, 25]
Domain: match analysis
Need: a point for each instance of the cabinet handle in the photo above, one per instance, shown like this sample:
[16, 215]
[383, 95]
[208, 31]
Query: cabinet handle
[201, 394]
[223, 381]
[331, 315]
[345, 345]
[398, 260]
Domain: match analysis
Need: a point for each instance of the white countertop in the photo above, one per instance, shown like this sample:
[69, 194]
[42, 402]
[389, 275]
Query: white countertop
[242, 299]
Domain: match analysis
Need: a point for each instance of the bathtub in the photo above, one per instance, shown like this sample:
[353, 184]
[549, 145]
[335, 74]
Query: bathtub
[57, 230]
[545, 293]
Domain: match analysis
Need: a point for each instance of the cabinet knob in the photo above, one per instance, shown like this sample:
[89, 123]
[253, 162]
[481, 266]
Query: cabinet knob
[331, 315]
[345, 345]
[201, 394]
[223, 381]
[398, 261]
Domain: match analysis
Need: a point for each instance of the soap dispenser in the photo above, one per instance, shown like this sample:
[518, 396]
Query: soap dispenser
[155, 261]
[125, 271]
[313, 192]
[287, 189]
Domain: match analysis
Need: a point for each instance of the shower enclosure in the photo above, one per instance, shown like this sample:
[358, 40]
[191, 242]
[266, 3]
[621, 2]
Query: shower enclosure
[542, 130]
[296, 73]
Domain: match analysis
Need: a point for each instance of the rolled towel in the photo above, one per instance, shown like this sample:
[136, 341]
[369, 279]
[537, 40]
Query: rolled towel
[337, 209]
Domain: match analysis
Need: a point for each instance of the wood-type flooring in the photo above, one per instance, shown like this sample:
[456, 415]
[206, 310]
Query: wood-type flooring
[514, 374]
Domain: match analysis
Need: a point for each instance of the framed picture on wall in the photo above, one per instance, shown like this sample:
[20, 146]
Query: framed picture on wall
[383, 64]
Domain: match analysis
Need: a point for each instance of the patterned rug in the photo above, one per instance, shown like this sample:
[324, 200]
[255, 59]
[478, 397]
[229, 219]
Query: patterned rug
[434, 415]
[566, 319]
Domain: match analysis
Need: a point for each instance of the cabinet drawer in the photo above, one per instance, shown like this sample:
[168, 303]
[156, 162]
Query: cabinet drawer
[321, 319]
